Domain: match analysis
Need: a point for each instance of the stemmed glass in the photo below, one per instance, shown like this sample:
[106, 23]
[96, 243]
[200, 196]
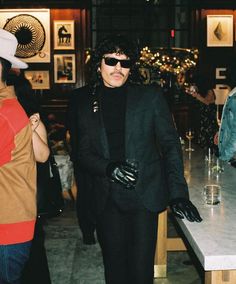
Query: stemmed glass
[189, 135]
[217, 168]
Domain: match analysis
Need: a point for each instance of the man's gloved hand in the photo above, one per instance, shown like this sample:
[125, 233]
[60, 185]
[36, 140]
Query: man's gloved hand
[123, 173]
[182, 207]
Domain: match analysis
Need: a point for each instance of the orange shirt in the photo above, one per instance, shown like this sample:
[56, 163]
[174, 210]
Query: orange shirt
[17, 172]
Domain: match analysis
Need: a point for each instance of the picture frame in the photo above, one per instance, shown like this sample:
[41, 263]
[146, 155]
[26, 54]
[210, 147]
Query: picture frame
[64, 34]
[64, 68]
[35, 23]
[39, 79]
[219, 30]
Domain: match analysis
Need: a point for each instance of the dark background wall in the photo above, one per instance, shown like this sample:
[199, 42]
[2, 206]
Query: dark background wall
[150, 22]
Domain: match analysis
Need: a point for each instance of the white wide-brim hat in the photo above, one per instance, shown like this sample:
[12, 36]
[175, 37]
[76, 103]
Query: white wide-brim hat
[8, 46]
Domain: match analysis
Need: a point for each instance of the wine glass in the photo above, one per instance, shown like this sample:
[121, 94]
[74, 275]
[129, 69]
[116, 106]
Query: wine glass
[189, 135]
[191, 89]
[135, 165]
[217, 168]
[133, 162]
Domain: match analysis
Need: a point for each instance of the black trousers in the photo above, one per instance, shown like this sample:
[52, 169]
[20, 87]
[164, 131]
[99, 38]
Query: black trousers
[84, 202]
[128, 241]
[36, 269]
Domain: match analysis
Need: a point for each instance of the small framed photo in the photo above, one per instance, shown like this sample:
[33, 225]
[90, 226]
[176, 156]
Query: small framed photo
[64, 68]
[219, 30]
[39, 79]
[64, 35]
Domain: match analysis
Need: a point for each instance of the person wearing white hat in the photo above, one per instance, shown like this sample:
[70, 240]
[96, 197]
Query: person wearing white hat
[17, 171]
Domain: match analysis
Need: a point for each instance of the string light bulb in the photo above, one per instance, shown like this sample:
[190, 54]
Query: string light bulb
[173, 60]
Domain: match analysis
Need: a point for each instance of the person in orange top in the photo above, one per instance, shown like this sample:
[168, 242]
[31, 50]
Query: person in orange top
[17, 171]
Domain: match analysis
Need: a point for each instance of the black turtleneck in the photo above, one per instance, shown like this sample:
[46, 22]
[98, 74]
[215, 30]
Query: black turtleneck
[113, 111]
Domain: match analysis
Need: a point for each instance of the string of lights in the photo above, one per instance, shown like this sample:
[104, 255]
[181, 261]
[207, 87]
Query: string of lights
[173, 60]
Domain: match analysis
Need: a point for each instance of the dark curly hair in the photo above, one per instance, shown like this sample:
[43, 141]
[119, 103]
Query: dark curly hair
[114, 43]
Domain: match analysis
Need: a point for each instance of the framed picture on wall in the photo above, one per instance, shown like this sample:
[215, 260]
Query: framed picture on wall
[64, 68]
[39, 79]
[32, 30]
[219, 30]
[64, 35]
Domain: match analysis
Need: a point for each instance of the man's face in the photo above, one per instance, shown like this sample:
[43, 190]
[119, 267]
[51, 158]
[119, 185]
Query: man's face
[116, 75]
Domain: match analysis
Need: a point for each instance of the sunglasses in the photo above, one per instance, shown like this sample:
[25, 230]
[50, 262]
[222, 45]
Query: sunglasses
[111, 61]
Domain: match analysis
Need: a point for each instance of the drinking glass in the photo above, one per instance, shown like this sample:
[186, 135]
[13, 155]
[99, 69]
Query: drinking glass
[189, 135]
[191, 89]
[132, 162]
[212, 194]
[217, 168]
[135, 164]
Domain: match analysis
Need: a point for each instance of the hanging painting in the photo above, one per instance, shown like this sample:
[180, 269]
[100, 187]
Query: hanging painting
[64, 68]
[64, 34]
[39, 79]
[32, 30]
[219, 30]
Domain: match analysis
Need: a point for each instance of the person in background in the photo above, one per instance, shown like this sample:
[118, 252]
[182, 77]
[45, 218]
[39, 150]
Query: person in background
[127, 142]
[17, 171]
[227, 132]
[36, 268]
[206, 117]
[60, 145]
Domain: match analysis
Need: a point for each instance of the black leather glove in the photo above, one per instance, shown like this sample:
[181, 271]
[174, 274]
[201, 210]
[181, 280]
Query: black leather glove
[123, 173]
[182, 207]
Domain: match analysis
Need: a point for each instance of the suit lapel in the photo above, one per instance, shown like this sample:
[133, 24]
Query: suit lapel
[99, 124]
[130, 119]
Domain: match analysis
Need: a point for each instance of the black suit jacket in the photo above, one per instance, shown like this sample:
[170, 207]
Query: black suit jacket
[150, 138]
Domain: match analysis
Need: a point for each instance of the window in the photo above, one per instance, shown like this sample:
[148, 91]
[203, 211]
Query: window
[148, 21]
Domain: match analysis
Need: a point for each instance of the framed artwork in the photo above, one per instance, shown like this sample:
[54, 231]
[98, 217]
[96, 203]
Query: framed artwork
[64, 68]
[64, 35]
[39, 79]
[219, 30]
[32, 30]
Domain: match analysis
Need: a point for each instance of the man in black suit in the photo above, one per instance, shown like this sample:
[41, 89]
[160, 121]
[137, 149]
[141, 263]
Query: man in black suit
[84, 181]
[128, 143]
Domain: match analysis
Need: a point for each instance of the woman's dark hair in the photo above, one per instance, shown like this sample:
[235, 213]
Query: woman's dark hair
[201, 80]
[114, 43]
[6, 66]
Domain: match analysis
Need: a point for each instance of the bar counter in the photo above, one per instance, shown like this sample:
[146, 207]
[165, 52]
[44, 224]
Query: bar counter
[214, 239]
